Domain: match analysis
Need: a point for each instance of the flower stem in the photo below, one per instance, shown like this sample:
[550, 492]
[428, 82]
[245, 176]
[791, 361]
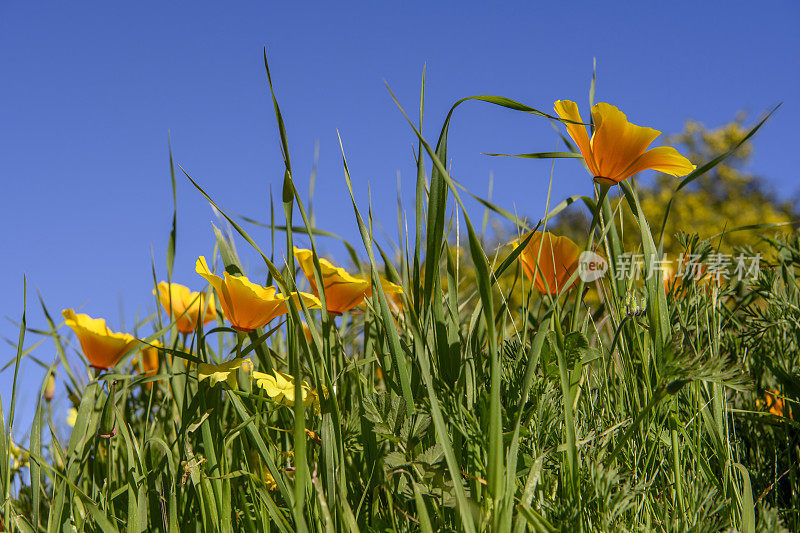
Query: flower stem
[604, 188]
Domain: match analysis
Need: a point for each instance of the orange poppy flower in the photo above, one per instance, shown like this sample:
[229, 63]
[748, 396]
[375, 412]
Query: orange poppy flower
[557, 261]
[775, 404]
[102, 347]
[343, 291]
[149, 358]
[618, 149]
[247, 305]
[184, 306]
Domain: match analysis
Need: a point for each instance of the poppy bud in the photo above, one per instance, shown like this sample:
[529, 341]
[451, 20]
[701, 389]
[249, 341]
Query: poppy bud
[107, 427]
[50, 388]
[634, 306]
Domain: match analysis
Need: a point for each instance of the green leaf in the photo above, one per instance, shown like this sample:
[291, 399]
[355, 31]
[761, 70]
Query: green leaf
[542, 155]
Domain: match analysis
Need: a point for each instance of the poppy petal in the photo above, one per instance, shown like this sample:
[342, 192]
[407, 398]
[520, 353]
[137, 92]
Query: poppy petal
[549, 261]
[343, 291]
[664, 159]
[616, 143]
[101, 346]
[568, 110]
[255, 305]
[201, 267]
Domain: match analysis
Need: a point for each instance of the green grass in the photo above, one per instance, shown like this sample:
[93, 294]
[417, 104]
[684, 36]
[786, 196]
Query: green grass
[495, 409]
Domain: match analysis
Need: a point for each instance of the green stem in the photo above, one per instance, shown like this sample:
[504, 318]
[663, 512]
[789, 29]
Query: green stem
[676, 461]
[569, 422]
[595, 220]
[264, 357]
[240, 336]
[108, 476]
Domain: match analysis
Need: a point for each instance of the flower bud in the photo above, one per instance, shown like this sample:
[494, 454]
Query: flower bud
[50, 388]
[107, 427]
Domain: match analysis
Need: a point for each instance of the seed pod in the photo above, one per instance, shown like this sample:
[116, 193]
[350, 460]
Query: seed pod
[107, 427]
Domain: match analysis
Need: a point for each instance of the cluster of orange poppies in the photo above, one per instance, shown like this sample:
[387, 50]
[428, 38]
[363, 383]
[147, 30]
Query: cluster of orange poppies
[616, 150]
[245, 304]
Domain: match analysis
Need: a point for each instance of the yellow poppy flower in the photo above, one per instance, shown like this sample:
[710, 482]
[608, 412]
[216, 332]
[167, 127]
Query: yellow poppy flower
[557, 261]
[343, 291]
[185, 306]
[102, 347]
[247, 305]
[671, 280]
[226, 372]
[618, 149]
[280, 387]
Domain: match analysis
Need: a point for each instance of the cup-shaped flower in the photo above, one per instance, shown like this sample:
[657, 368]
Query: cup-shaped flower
[618, 149]
[248, 305]
[549, 261]
[670, 276]
[187, 308]
[226, 372]
[101, 346]
[343, 291]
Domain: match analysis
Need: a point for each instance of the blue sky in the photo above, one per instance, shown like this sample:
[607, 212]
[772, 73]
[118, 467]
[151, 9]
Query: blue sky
[89, 90]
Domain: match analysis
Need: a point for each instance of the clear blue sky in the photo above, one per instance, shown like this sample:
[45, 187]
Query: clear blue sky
[88, 91]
